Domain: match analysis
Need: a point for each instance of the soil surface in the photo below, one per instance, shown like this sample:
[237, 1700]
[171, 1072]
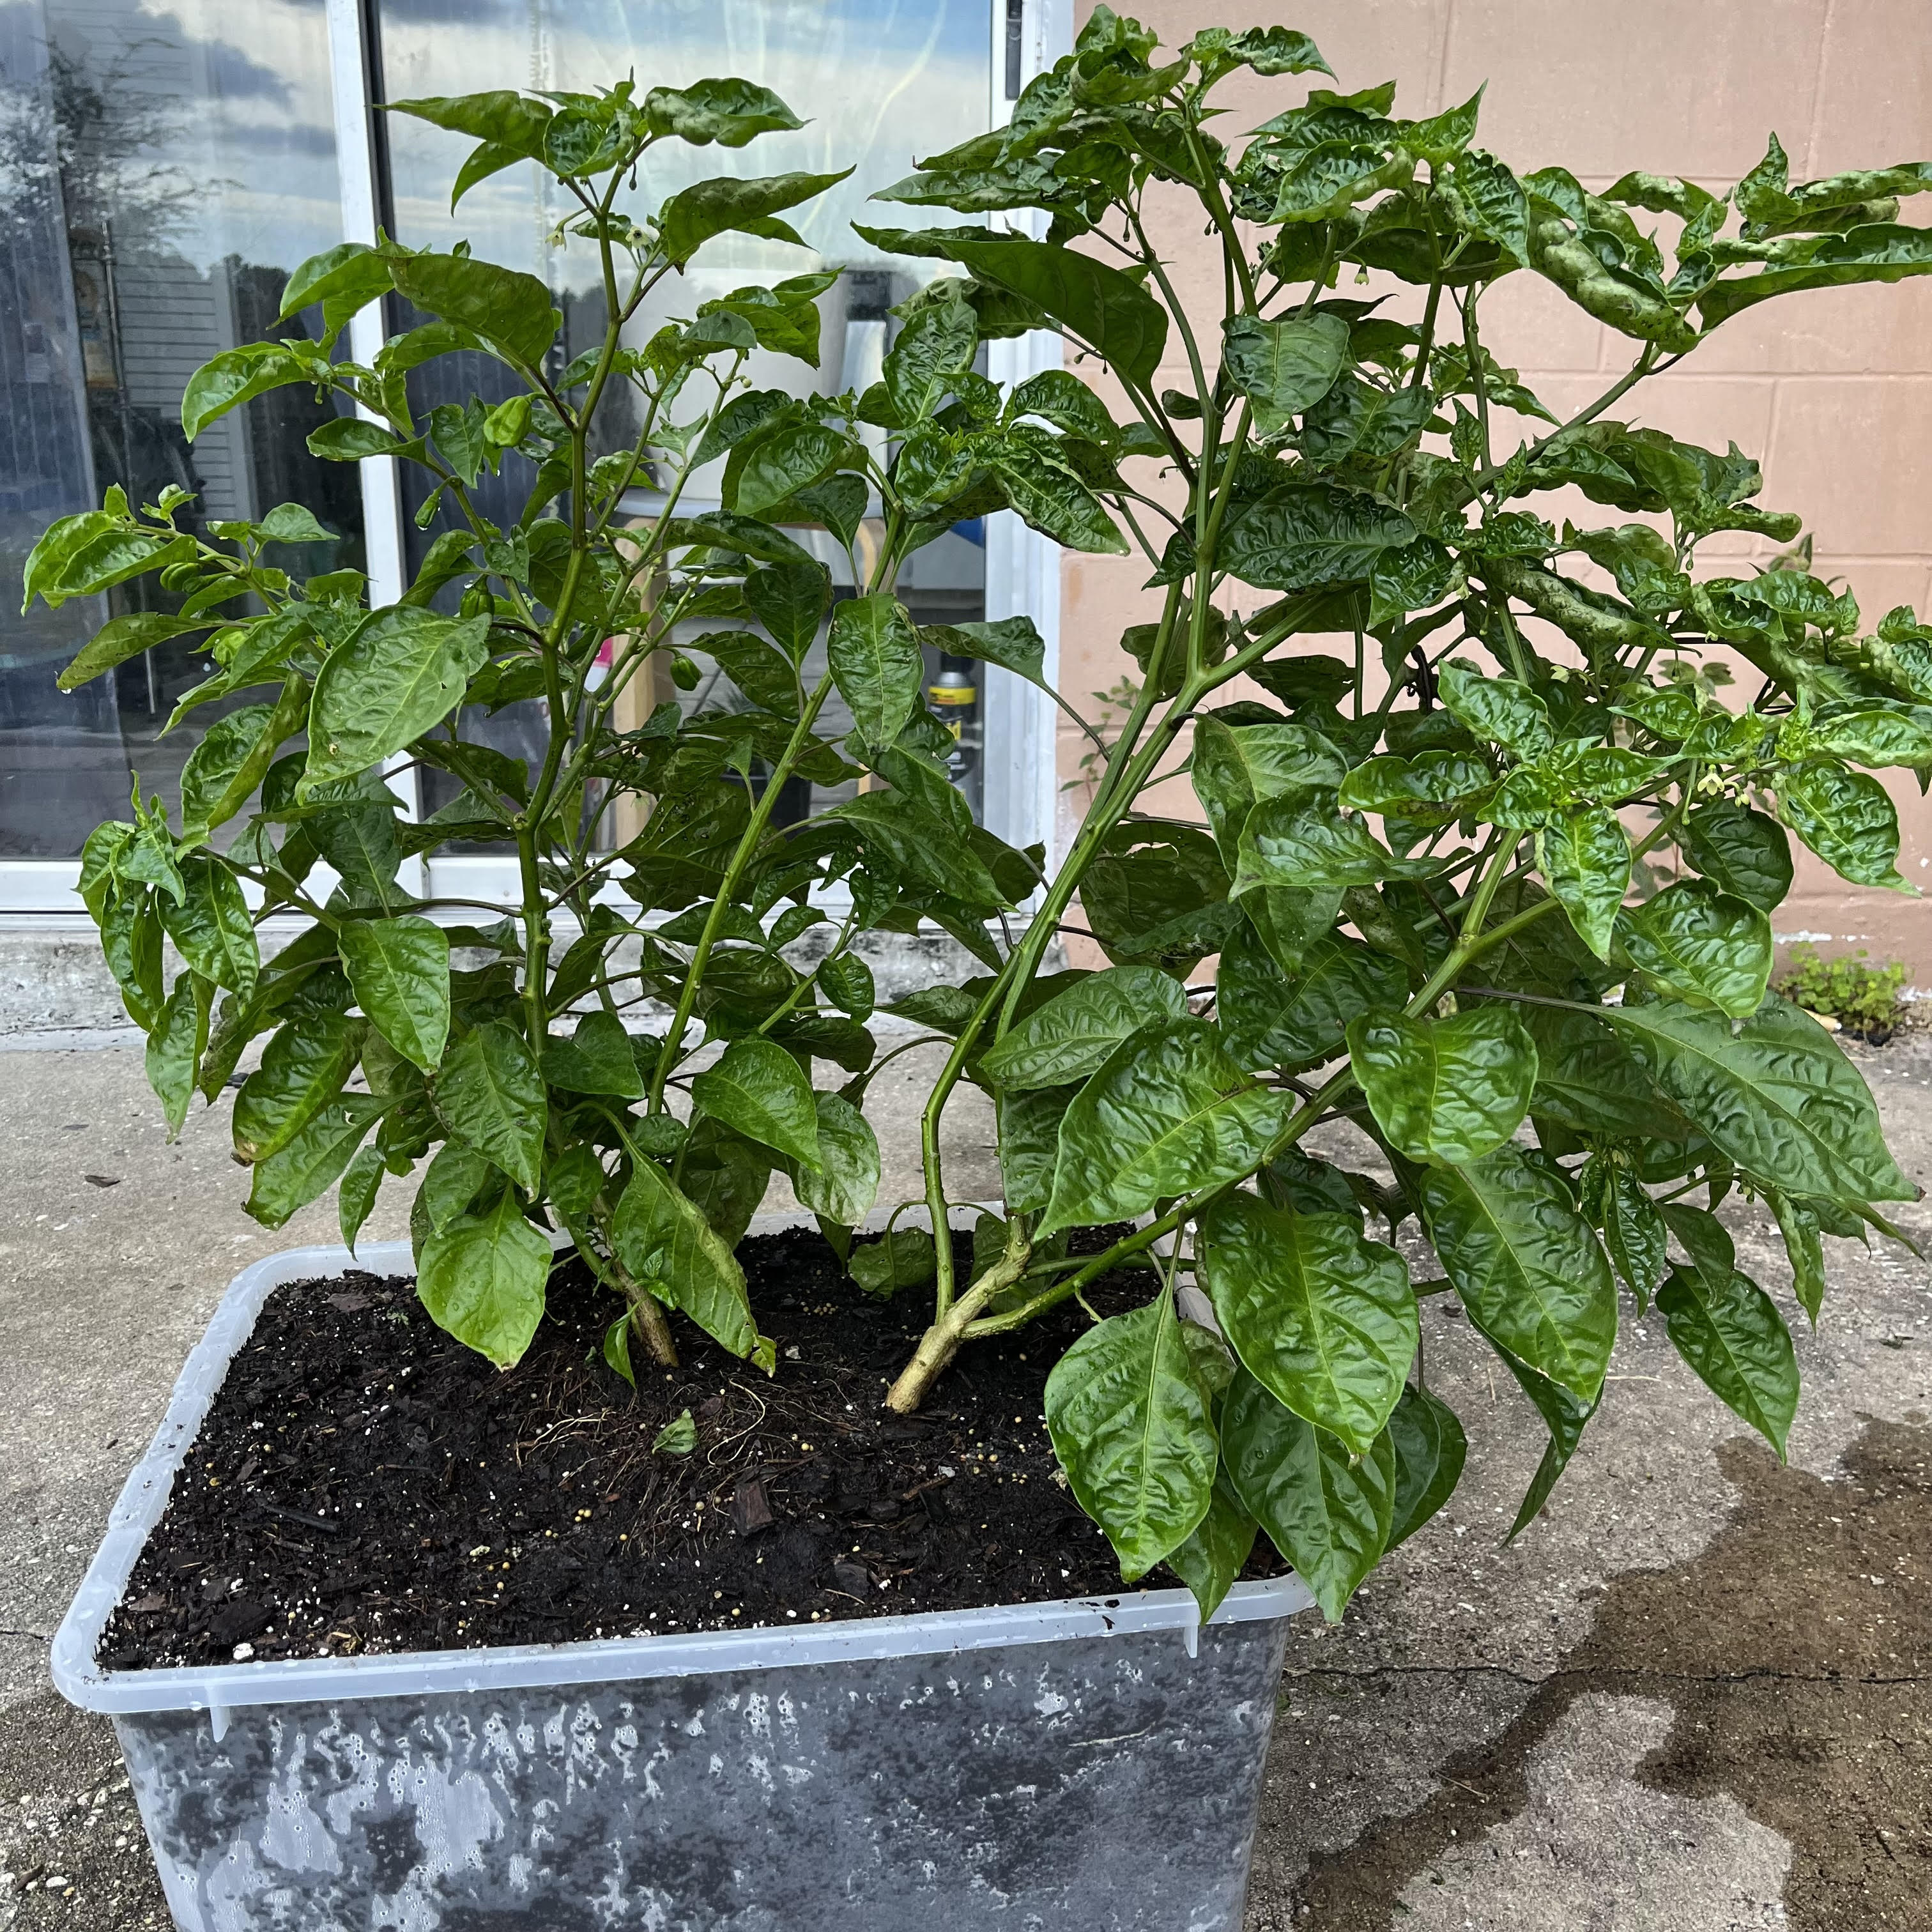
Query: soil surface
[363, 1483]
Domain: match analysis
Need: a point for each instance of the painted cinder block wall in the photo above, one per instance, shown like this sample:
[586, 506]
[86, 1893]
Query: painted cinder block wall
[1830, 390]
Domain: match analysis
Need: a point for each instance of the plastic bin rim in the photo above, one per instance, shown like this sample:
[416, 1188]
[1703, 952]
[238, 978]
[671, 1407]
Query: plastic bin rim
[229, 1686]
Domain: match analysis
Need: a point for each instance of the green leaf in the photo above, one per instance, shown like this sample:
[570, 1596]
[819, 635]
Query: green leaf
[1430, 1449]
[1695, 941]
[1267, 50]
[1283, 367]
[1168, 1113]
[1301, 535]
[1737, 1343]
[691, 217]
[1742, 850]
[934, 348]
[597, 1058]
[1302, 839]
[1214, 1555]
[356, 1199]
[1584, 857]
[790, 458]
[1882, 251]
[482, 1279]
[311, 1163]
[1798, 1222]
[175, 1043]
[1235, 766]
[617, 1348]
[875, 660]
[1634, 1233]
[678, 1437]
[509, 310]
[1564, 1415]
[1587, 1079]
[1497, 710]
[121, 638]
[1846, 817]
[1484, 199]
[236, 375]
[729, 112]
[1433, 788]
[847, 982]
[303, 1067]
[1272, 1018]
[723, 1173]
[490, 1094]
[844, 1185]
[399, 969]
[789, 600]
[758, 1089]
[902, 1258]
[668, 1245]
[1049, 497]
[231, 761]
[1074, 1032]
[1525, 1264]
[1773, 1092]
[1445, 1090]
[451, 1183]
[1129, 1422]
[210, 926]
[1322, 1318]
[1328, 1512]
[401, 672]
[1013, 643]
[1029, 1132]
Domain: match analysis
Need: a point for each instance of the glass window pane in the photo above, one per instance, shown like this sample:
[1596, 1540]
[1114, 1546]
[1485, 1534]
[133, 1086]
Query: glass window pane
[878, 81]
[163, 171]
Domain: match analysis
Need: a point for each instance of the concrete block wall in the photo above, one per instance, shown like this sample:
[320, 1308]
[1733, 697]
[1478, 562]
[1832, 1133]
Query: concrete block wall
[1830, 390]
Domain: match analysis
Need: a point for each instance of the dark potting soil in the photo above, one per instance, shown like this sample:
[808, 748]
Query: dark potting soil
[363, 1483]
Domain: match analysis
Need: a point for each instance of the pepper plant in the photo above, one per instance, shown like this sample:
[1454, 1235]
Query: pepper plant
[1432, 868]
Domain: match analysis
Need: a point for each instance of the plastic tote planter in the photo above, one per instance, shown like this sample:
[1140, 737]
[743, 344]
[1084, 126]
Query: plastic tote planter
[1089, 1764]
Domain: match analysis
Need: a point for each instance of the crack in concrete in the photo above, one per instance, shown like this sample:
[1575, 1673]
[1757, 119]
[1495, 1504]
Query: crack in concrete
[1633, 1675]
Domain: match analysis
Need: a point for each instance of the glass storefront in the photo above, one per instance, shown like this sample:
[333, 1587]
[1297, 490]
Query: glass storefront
[161, 172]
[164, 164]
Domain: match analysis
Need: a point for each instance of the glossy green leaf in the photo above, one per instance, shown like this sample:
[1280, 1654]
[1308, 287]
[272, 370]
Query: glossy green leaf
[1774, 1092]
[1301, 535]
[1430, 1449]
[1634, 1233]
[678, 1437]
[1323, 1319]
[758, 1089]
[1013, 643]
[729, 112]
[1695, 941]
[1233, 767]
[119, 639]
[1445, 1090]
[233, 755]
[1803, 1244]
[1283, 367]
[1740, 849]
[789, 600]
[1270, 1018]
[1029, 1130]
[847, 982]
[175, 1043]
[875, 660]
[725, 1174]
[1433, 788]
[689, 218]
[1303, 840]
[482, 1279]
[791, 458]
[1328, 1512]
[1737, 1343]
[490, 1093]
[1130, 1425]
[934, 349]
[597, 1058]
[1212, 1559]
[454, 1177]
[1585, 858]
[1074, 1032]
[1846, 817]
[1587, 1077]
[1052, 498]
[669, 1246]
[236, 376]
[399, 969]
[311, 1163]
[1497, 710]
[845, 1183]
[302, 1069]
[402, 671]
[1526, 1265]
[210, 926]
[1882, 251]
[356, 1199]
[1485, 199]
[508, 310]
[1168, 1113]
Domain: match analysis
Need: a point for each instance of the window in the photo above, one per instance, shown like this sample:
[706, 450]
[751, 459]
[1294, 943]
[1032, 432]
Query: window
[165, 163]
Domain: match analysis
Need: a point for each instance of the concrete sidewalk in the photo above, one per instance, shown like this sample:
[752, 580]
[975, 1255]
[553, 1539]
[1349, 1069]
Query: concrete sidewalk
[1694, 1695]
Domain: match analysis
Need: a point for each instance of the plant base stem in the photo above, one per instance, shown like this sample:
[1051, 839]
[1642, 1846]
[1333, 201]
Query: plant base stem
[647, 1318]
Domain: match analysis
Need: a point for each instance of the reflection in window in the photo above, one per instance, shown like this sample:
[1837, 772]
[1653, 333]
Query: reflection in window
[164, 165]
[878, 81]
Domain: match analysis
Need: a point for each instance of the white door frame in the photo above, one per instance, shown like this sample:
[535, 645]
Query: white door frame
[1022, 567]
